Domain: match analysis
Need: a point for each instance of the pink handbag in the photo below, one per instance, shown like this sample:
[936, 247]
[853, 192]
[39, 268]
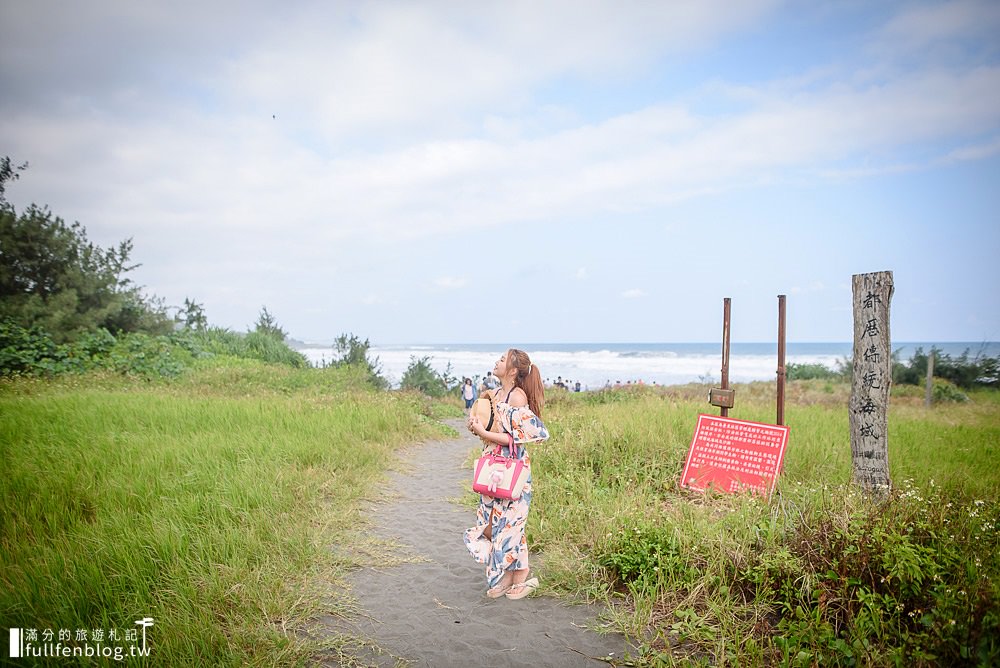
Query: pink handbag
[499, 476]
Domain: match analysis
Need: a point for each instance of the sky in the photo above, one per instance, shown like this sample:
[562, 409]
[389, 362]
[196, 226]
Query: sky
[431, 172]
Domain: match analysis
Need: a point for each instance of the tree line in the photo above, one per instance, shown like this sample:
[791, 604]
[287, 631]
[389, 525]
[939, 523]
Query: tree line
[966, 371]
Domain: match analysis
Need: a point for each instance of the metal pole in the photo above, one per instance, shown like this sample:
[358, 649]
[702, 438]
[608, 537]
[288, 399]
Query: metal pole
[724, 412]
[781, 359]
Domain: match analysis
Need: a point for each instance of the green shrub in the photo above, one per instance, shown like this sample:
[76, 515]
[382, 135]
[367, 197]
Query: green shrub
[265, 347]
[354, 352]
[904, 582]
[645, 556]
[422, 377]
[943, 390]
[149, 356]
[33, 352]
[606, 395]
[963, 371]
[809, 372]
[267, 324]
[90, 351]
[26, 350]
[253, 345]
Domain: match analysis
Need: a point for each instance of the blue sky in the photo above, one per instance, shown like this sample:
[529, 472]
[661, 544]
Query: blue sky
[524, 171]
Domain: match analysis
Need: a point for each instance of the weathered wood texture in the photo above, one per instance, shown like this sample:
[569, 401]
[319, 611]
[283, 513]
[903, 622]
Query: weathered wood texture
[872, 378]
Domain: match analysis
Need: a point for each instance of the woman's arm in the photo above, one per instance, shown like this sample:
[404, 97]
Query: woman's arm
[477, 428]
[516, 399]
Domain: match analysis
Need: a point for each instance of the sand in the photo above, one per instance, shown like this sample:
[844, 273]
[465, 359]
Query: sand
[435, 612]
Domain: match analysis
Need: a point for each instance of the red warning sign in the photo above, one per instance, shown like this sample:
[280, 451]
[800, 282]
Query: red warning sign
[734, 455]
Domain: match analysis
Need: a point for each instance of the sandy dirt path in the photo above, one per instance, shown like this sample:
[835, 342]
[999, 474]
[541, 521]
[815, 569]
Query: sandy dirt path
[435, 612]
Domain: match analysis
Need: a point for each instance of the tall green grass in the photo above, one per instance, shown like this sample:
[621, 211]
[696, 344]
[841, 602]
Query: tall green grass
[818, 575]
[219, 502]
[210, 503]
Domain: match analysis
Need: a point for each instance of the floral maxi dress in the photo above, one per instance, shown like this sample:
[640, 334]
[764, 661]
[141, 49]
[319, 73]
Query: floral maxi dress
[508, 548]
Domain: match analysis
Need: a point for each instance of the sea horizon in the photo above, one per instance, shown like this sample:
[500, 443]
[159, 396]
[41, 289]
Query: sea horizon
[596, 365]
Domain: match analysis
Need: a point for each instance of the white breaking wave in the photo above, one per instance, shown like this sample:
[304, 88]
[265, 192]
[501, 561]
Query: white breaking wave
[592, 368]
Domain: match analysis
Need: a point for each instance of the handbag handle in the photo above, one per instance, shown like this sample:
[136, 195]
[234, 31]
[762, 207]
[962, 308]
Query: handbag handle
[510, 447]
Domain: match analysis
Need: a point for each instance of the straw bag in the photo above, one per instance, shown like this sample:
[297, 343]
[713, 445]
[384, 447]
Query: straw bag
[498, 476]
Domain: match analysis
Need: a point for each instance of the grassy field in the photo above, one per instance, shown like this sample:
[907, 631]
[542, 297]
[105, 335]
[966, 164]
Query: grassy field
[209, 503]
[816, 576]
[220, 503]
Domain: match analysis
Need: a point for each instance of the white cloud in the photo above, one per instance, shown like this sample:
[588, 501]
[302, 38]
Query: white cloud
[976, 151]
[331, 74]
[416, 67]
[633, 293]
[224, 181]
[400, 121]
[923, 25]
[223, 193]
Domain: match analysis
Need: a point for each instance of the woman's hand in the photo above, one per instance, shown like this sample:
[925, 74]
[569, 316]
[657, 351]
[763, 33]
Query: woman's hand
[475, 426]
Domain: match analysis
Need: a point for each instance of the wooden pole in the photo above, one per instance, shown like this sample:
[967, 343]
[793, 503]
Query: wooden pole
[929, 398]
[724, 412]
[781, 360]
[872, 378]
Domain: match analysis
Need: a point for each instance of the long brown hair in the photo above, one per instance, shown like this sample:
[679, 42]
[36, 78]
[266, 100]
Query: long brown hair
[528, 378]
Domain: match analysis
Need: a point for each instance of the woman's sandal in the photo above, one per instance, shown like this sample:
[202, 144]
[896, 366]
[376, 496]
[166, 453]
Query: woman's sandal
[523, 589]
[498, 591]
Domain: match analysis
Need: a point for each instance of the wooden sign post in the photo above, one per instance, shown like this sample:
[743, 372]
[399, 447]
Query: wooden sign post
[929, 392]
[872, 378]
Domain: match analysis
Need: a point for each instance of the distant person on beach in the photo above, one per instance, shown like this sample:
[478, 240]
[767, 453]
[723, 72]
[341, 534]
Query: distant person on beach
[489, 383]
[498, 538]
[468, 393]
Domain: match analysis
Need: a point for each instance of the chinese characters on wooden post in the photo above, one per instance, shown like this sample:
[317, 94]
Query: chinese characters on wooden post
[872, 377]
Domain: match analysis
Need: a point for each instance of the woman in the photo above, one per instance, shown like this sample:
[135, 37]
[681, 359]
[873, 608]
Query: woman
[468, 393]
[498, 538]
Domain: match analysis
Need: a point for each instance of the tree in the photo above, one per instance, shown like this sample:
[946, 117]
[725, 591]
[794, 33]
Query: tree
[422, 377]
[354, 352]
[193, 316]
[8, 172]
[267, 324]
[52, 276]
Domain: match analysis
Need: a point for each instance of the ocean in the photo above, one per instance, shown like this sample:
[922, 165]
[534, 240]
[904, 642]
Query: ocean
[596, 364]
